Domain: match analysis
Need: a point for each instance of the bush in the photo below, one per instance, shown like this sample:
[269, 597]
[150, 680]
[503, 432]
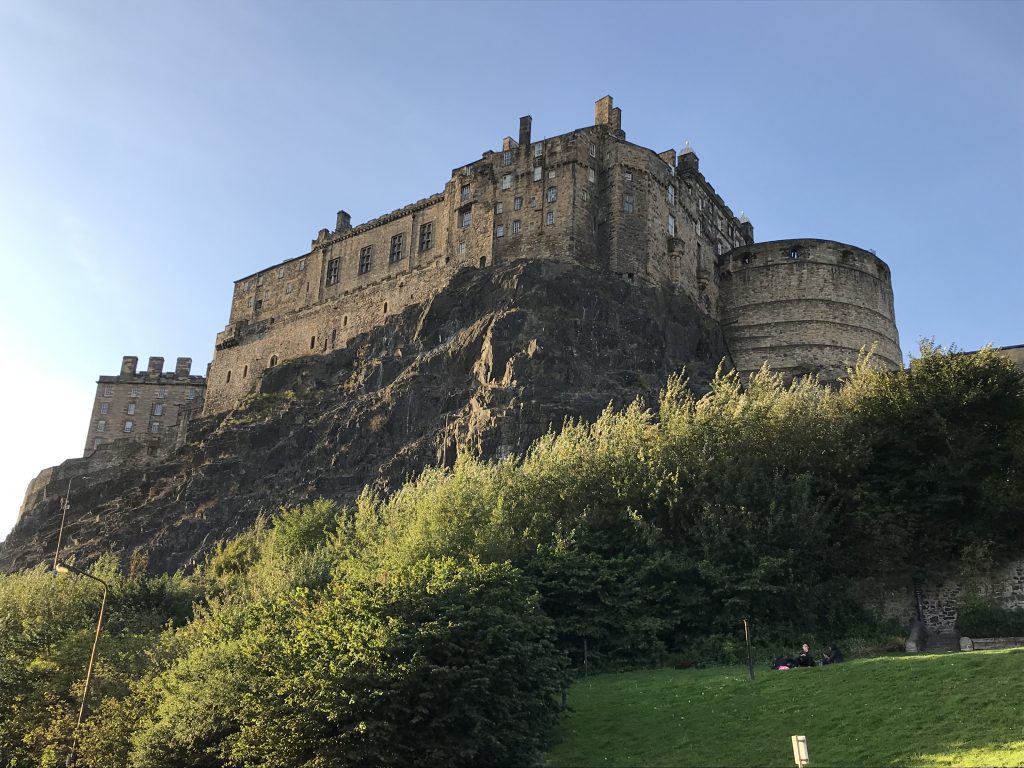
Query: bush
[989, 620]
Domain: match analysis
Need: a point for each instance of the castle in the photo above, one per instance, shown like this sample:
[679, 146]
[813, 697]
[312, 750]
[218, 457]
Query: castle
[588, 197]
[152, 407]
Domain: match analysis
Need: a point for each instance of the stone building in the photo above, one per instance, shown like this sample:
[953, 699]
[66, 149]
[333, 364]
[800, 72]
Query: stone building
[148, 407]
[588, 197]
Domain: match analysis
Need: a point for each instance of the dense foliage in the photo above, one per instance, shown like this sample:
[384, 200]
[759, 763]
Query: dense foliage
[438, 624]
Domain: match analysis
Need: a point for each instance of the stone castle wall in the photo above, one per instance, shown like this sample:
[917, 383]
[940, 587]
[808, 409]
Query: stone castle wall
[806, 306]
[588, 197]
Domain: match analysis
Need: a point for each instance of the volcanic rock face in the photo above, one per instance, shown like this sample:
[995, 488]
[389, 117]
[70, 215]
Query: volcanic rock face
[488, 365]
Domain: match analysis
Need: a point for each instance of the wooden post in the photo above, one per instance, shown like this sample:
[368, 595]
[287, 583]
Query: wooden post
[750, 658]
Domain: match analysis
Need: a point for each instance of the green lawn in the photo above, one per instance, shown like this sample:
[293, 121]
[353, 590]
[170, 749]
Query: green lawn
[963, 709]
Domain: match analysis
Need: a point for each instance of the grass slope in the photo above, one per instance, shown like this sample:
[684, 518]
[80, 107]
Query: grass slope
[963, 709]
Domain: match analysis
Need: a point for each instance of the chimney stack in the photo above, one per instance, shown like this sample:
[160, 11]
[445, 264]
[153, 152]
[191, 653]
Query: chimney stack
[128, 364]
[344, 222]
[525, 124]
[156, 367]
[603, 111]
[182, 367]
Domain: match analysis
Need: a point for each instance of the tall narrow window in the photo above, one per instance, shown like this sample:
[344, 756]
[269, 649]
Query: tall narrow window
[538, 173]
[465, 192]
[517, 204]
[396, 248]
[333, 268]
[104, 407]
[158, 409]
[538, 149]
[628, 202]
[465, 218]
[593, 150]
[499, 231]
[131, 408]
[426, 236]
[591, 175]
[549, 217]
[671, 225]
[552, 194]
[671, 195]
[273, 361]
[499, 207]
[516, 227]
[506, 181]
[101, 425]
[365, 259]
[129, 426]
[506, 157]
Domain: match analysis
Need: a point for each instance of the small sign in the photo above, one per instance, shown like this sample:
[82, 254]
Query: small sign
[800, 751]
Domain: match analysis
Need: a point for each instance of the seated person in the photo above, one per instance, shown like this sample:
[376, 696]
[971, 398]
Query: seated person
[833, 655]
[805, 659]
[782, 663]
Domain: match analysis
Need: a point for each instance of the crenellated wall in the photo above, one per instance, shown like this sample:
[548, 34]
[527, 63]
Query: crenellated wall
[806, 306]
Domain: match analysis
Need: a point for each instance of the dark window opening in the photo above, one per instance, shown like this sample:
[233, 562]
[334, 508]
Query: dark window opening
[385, 307]
[312, 342]
[273, 360]
[257, 305]
[794, 253]
[344, 321]
[245, 371]
[426, 236]
[228, 379]
[483, 261]
[333, 268]
[396, 248]
[365, 257]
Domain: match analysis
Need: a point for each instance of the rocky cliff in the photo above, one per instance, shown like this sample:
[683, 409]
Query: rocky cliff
[489, 364]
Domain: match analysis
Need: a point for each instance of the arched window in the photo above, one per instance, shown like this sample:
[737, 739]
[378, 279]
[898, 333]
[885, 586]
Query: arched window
[273, 360]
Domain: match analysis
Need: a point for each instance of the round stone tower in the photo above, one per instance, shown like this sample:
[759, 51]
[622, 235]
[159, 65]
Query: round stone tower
[806, 306]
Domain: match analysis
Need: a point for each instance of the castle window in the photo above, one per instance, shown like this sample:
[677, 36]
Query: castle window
[671, 225]
[312, 342]
[245, 371]
[506, 181]
[191, 394]
[671, 195]
[131, 408]
[538, 149]
[101, 425]
[427, 235]
[334, 336]
[104, 407]
[460, 248]
[158, 409]
[629, 175]
[628, 202]
[517, 204]
[333, 269]
[483, 261]
[154, 427]
[385, 307]
[129, 426]
[161, 391]
[591, 175]
[498, 208]
[586, 195]
[301, 266]
[108, 391]
[506, 157]
[538, 173]
[259, 279]
[289, 287]
[273, 361]
[552, 194]
[257, 305]
[465, 218]
[550, 217]
[280, 272]
[794, 253]
[396, 248]
[135, 392]
[499, 231]
[344, 321]
[227, 380]
[465, 192]
[552, 173]
[365, 257]
[516, 227]
[593, 150]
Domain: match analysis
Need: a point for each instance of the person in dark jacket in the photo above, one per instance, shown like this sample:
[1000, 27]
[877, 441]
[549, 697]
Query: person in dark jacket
[833, 655]
[805, 659]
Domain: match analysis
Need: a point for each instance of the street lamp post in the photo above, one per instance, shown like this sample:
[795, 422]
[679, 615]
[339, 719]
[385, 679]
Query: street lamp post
[60, 567]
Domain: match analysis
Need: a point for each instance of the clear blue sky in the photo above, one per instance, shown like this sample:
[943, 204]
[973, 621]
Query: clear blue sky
[152, 153]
